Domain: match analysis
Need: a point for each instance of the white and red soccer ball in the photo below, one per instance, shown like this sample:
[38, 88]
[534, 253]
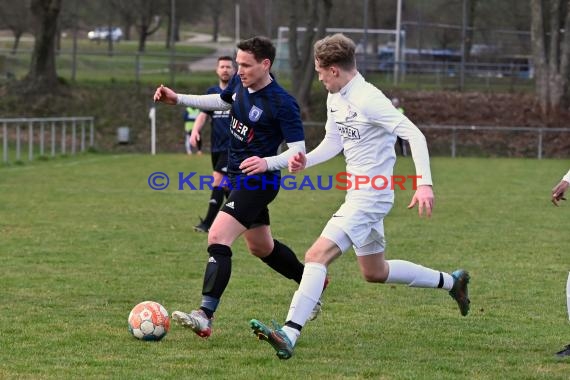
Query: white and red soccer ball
[149, 320]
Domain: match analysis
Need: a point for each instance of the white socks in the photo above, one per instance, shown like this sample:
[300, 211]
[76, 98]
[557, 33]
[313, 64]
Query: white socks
[405, 272]
[305, 298]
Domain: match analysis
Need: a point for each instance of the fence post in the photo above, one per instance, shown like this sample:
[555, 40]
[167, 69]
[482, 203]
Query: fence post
[453, 142]
[63, 137]
[30, 140]
[82, 135]
[91, 135]
[540, 143]
[18, 142]
[5, 133]
[42, 138]
[73, 136]
[53, 138]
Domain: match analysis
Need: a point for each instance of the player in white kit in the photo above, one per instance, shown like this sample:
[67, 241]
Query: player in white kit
[557, 196]
[364, 124]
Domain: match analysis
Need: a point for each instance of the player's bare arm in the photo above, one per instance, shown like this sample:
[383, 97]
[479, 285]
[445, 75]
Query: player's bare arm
[199, 123]
[425, 200]
[165, 95]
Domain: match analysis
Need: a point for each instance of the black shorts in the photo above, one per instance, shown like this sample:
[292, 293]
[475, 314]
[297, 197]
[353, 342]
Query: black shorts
[220, 161]
[249, 207]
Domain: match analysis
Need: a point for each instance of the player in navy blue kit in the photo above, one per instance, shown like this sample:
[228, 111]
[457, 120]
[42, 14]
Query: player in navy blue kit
[263, 114]
[219, 140]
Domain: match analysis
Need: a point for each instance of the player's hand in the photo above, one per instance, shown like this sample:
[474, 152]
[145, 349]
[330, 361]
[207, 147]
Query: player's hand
[165, 95]
[297, 162]
[425, 200]
[253, 165]
[194, 138]
[558, 192]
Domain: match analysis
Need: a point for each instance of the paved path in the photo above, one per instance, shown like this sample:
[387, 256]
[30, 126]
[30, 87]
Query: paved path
[224, 46]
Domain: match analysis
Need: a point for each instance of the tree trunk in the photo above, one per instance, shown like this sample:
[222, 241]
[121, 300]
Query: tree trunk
[42, 76]
[17, 36]
[471, 17]
[551, 59]
[301, 56]
[142, 39]
[169, 30]
[216, 26]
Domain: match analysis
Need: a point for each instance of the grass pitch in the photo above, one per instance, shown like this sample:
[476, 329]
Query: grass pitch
[82, 240]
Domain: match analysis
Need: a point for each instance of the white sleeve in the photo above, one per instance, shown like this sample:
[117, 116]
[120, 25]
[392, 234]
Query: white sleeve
[567, 177]
[281, 161]
[210, 102]
[408, 131]
[328, 148]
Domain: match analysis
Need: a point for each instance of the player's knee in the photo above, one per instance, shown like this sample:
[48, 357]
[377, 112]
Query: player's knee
[216, 236]
[317, 256]
[375, 276]
[259, 249]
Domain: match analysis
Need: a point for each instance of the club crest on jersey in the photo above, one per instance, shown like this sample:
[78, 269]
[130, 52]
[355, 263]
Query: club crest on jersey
[350, 114]
[255, 113]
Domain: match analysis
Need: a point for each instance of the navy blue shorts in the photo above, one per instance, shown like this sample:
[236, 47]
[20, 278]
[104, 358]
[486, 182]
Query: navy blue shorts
[220, 161]
[248, 203]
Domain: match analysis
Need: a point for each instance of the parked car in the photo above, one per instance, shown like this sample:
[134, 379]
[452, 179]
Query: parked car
[102, 34]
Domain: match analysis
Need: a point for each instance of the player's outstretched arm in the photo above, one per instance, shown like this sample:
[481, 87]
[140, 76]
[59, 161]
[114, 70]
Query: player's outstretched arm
[425, 200]
[165, 95]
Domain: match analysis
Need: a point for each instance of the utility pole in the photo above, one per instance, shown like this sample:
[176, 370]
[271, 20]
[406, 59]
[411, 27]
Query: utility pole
[237, 21]
[463, 52]
[172, 41]
[365, 39]
[398, 42]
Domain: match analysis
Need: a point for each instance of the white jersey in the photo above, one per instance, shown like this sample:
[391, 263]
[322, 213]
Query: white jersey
[365, 122]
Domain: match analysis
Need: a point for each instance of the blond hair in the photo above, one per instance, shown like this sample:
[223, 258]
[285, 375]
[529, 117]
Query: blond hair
[335, 50]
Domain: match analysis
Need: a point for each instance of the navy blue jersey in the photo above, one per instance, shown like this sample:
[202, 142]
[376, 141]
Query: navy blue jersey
[260, 122]
[220, 134]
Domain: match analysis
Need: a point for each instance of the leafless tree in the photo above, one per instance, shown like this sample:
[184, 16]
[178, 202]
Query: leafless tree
[216, 9]
[551, 52]
[148, 19]
[42, 76]
[301, 51]
[126, 16]
[16, 17]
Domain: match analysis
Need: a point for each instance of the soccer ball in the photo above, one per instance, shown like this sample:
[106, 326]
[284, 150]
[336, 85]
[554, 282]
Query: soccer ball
[149, 321]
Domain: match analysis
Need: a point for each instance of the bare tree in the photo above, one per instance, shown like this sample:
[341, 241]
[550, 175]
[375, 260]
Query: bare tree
[148, 19]
[551, 52]
[42, 76]
[126, 15]
[16, 17]
[215, 8]
[301, 52]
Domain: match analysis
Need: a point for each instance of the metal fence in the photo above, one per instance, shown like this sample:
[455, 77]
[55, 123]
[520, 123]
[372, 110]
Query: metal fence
[504, 141]
[46, 136]
[169, 68]
[471, 140]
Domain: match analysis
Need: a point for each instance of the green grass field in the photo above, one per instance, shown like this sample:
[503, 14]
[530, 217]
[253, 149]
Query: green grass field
[83, 239]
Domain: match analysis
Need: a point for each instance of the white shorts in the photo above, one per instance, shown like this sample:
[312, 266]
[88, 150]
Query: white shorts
[357, 227]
